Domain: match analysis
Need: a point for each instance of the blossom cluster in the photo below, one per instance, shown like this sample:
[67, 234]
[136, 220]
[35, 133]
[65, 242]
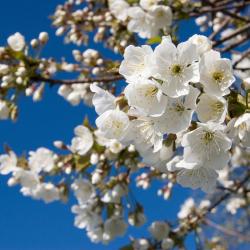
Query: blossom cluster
[145, 19]
[174, 110]
[100, 198]
[117, 23]
[23, 72]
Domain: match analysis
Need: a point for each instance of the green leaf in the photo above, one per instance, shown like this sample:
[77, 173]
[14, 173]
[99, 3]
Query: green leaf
[154, 40]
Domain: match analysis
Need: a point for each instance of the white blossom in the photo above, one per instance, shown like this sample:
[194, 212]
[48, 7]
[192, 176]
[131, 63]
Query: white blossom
[207, 145]
[114, 195]
[176, 67]
[187, 207]
[167, 243]
[86, 217]
[16, 42]
[113, 124]
[83, 190]
[211, 108]
[234, 204]
[83, 141]
[141, 23]
[147, 4]
[159, 230]
[178, 113]
[102, 99]
[242, 126]
[195, 176]
[203, 44]
[41, 160]
[141, 244]
[113, 227]
[47, 192]
[119, 8]
[8, 163]
[4, 110]
[216, 73]
[137, 62]
[4, 69]
[146, 96]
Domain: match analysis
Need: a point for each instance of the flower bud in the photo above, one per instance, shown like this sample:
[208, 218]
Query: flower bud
[43, 37]
[16, 42]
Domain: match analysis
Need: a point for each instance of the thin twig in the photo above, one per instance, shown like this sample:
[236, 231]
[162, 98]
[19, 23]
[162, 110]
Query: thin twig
[227, 195]
[241, 68]
[234, 45]
[216, 32]
[233, 34]
[205, 10]
[243, 56]
[227, 230]
[75, 81]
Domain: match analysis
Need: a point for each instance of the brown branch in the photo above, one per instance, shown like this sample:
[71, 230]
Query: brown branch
[75, 81]
[234, 45]
[242, 69]
[227, 231]
[233, 34]
[229, 13]
[227, 195]
[216, 32]
[236, 16]
[243, 56]
[204, 10]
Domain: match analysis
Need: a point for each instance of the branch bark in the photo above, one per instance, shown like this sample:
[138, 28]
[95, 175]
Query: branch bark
[227, 231]
[76, 81]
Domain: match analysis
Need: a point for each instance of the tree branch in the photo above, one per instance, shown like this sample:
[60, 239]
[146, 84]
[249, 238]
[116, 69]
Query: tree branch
[204, 10]
[233, 45]
[227, 231]
[227, 195]
[243, 56]
[76, 81]
[233, 34]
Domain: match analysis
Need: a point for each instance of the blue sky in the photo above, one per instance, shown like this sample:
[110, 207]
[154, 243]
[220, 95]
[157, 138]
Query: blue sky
[28, 224]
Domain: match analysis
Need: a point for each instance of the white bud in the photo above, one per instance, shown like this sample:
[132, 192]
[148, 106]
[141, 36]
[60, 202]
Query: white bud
[43, 37]
[96, 177]
[60, 164]
[19, 80]
[99, 61]
[29, 91]
[94, 158]
[12, 181]
[167, 244]
[60, 31]
[95, 71]
[34, 43]
[58, 144]
[16, 42]
[68, 170]
[37, 96]
[4, 69]
[131, 148]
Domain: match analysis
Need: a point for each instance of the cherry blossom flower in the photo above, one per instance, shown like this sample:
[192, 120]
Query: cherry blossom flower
[176, 67]
[83, 141]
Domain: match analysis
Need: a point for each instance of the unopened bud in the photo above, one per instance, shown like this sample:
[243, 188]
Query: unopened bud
[43, 37]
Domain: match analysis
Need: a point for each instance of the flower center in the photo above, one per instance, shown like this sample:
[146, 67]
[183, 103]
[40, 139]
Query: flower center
[218, 76]
[208, 137]
[218, 107]
[176, 69]
[151, 91]
[179, 108]
[117, 124]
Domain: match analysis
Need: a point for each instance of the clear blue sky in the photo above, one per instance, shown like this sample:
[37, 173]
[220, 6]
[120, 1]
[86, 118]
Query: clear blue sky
[28, 224]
